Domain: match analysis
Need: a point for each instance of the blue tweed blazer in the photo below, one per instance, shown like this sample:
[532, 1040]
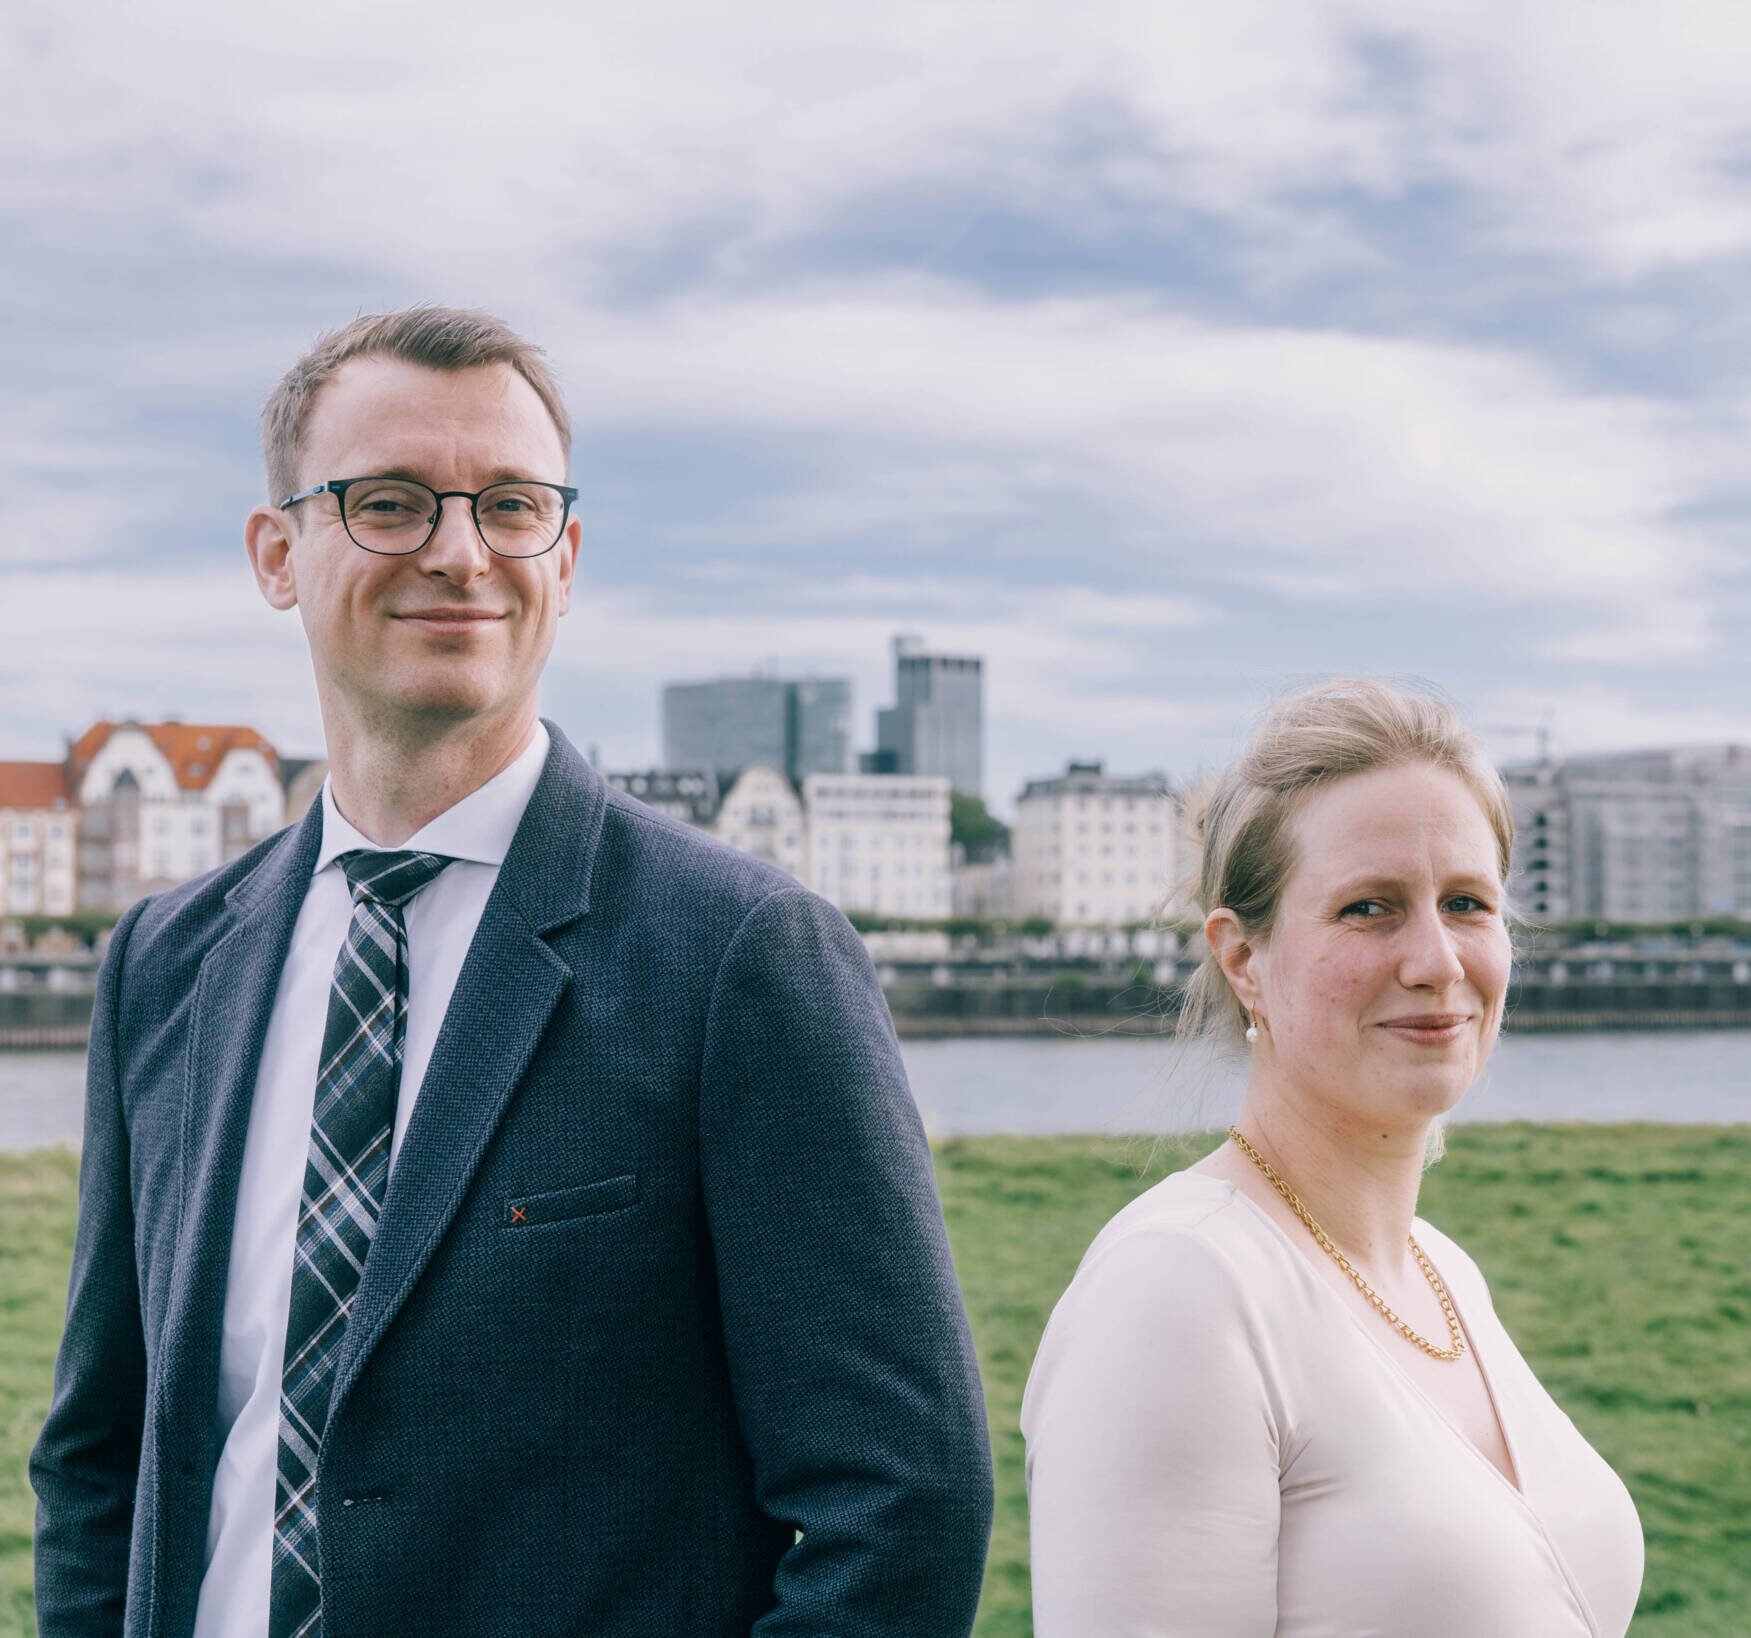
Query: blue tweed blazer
[711, 1376]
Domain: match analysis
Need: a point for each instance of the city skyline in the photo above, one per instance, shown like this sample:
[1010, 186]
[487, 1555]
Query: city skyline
[1166, 362]
[1508, 745]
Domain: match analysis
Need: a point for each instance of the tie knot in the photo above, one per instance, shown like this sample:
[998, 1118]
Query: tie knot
[389, 878]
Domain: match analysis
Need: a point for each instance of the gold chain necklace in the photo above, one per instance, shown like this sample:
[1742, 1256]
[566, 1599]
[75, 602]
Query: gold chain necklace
[1349, 1268]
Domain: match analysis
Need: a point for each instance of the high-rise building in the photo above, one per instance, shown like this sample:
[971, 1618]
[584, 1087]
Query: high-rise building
[1093, 848]
[936, 725]
[1633, 836]
[797, 725]
[820, 727]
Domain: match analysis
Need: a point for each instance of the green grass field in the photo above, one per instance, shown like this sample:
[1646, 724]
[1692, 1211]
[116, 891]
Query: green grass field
[1617, 1256]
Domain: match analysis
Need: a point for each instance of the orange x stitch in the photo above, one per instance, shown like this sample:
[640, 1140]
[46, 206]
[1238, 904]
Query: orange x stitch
[519, 1215]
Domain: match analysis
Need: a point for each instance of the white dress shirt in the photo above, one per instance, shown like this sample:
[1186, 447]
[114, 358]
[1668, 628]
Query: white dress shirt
[441, 921]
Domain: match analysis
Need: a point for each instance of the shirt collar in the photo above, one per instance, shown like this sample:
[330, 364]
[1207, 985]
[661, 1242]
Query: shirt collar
[479, 828]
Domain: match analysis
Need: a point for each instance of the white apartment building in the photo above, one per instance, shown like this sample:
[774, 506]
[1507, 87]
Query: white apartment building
[163, 802]
[38, 840]
[762, 814]
[1092, 848]
[880, 843]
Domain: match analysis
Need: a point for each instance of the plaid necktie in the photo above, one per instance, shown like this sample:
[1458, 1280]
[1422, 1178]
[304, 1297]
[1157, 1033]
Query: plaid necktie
[344, 1182]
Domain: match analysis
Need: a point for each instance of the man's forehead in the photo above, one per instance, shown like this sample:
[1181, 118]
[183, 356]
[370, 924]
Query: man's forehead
[404, 409]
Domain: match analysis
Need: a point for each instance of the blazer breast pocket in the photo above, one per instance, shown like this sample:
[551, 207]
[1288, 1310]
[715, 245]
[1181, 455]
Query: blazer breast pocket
[566, 1205]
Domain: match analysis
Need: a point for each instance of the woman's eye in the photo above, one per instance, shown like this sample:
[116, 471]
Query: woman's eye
[1365, 909]
[1465, 903]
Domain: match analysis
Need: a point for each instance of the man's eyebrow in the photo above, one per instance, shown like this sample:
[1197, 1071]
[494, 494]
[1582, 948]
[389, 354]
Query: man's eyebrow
[499, 474]
[511, 474]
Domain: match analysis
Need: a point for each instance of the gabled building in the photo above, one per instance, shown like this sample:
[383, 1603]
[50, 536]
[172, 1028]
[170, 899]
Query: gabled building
[38, 840]
[762, 814]
[162, 802]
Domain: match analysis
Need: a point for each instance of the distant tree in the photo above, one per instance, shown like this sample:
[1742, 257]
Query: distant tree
[972, 825]
[84, 925]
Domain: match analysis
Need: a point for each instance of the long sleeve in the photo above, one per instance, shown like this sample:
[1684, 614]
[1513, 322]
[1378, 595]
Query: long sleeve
[86, 1462]
[849, 1351]
[1152, 1451]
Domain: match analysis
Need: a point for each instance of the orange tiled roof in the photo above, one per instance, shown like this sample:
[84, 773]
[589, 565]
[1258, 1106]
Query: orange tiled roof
[193, 750]
[32, 784]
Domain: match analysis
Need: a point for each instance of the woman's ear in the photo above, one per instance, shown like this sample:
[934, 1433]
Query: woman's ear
[1234, 953]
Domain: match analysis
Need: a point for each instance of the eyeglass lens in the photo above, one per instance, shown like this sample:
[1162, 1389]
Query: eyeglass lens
[392, 515]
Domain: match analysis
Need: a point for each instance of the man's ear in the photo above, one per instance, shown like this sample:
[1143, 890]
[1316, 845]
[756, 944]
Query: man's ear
[568, 561]
[267, 537]
[1235, 954]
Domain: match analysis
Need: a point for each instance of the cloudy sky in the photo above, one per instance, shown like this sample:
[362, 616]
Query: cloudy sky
[1166, 355]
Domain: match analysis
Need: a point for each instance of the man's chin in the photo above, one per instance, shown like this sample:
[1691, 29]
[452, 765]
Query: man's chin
[446, 699]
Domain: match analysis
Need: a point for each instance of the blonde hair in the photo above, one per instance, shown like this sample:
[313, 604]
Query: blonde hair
[1242, 823]
[440, 338]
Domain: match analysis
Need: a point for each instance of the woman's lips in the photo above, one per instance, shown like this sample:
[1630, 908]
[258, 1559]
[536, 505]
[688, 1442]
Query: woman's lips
[1429, 1029]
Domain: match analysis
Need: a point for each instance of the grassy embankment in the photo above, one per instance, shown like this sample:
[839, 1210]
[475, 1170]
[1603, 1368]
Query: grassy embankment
[1616, 1255]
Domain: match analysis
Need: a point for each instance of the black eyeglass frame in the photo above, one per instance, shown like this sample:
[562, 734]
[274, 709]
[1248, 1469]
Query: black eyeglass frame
[338, 487]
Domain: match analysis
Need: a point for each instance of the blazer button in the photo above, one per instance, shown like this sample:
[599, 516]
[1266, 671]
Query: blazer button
[347, 1501]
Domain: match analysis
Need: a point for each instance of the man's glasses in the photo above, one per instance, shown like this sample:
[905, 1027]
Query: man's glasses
[395, 516]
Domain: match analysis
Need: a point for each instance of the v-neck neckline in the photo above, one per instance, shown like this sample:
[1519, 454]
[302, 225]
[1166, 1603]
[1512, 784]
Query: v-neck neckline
[1514, 1486]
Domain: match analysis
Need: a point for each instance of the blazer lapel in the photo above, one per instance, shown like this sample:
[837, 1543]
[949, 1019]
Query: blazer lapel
[509, 985]
[234, 995]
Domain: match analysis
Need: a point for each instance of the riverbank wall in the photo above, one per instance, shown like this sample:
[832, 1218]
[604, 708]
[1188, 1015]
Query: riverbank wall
[946, 1005]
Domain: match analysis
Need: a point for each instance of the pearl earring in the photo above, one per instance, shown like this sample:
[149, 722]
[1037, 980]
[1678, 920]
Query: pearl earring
[1252, 1030]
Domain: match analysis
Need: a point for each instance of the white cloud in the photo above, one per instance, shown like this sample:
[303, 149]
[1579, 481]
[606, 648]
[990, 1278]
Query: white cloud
[488, 140]
[1598, 716]
[1317, 463]
[80, 644]
[527, 157]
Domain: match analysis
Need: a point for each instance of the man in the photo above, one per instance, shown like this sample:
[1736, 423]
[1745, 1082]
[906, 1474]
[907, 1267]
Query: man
[502, 1209]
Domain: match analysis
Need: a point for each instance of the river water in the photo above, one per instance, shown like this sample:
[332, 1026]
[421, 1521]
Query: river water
[1125, 1084]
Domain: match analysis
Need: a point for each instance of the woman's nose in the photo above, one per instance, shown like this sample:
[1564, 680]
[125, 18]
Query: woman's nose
[1429, 959]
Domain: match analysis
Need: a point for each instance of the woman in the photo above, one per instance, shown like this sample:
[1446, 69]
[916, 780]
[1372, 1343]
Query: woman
[1274, 1401]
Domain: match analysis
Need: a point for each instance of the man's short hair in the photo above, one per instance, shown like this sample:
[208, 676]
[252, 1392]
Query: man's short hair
[440, 338]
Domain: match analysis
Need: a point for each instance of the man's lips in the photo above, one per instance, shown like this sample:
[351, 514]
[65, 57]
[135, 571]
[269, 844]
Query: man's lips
[448, 617]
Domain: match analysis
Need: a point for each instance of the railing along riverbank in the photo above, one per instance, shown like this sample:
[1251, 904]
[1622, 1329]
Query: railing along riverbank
[1092, 983]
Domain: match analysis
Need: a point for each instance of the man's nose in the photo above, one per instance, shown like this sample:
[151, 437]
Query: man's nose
[456, 552]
